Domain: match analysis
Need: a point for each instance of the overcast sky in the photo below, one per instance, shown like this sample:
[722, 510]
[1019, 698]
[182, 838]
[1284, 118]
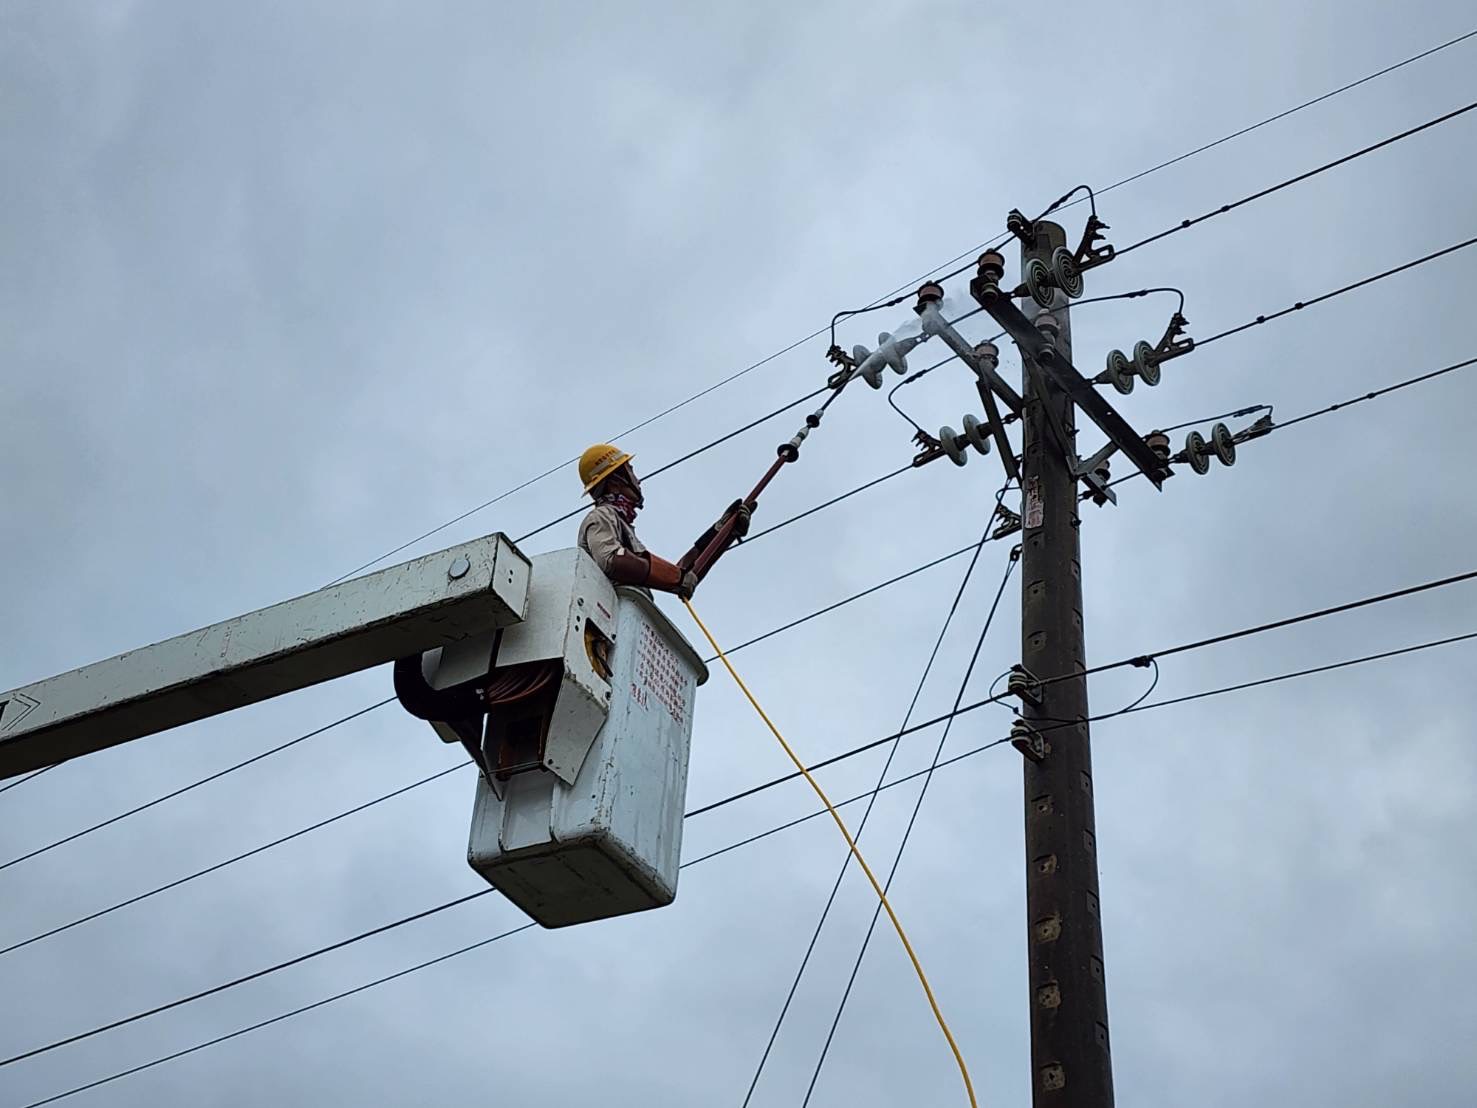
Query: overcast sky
[288, 284]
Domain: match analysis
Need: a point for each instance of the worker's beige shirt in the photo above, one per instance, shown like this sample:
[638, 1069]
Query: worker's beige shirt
[604, 534]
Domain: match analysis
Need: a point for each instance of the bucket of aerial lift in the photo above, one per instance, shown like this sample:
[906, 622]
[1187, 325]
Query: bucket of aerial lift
[583, 748]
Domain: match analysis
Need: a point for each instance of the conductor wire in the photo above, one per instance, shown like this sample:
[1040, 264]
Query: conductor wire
[902, 935]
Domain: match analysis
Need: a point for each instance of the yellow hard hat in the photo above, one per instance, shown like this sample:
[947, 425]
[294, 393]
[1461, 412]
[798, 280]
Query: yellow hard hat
[599, 462]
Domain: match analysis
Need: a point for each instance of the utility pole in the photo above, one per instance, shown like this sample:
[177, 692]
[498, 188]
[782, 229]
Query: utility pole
[1071, 1066]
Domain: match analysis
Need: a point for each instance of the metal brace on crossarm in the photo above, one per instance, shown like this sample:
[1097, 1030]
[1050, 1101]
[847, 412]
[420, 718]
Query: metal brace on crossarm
[984, 359]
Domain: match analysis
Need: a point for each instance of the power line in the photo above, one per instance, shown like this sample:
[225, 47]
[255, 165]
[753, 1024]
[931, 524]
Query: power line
[768, 530]
[1278, 624]
[1301, 304]
[342, 943]
[796, 822]
[896, 473]
[339, 945]
[867, 812]
[1383, 655]
[192, 785]
[242, 980]
[57, 930]
[646, 423]
[380, 704]
[159, 800]
[424, 780]
[244, 855]
[1328, 409]
[1289, 182]
[1239, 413]
[278, 1019]
[11, 785]
[1064, 202]
[683, 458]
[1134, 660]
[1224, 208]
[1136, 707]
[35, 773]
[1292, 111]
[1295, 307]
[897, 858]
[854, 596]
[773, 831]
[1317, 412]
[1010, 417]
[1242, 686]
[1376, 394]
[830, 503]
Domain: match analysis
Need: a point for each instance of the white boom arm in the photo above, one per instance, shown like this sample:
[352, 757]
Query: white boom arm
[431, 601]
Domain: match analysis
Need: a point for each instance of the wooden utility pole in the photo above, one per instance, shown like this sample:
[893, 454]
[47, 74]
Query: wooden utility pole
[1071, 1066]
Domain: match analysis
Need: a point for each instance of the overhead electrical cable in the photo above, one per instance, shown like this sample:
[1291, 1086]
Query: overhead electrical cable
[897, 926]
[356, 809]
[1134, 660]
[750, 840]
[241, 857]
[897, 858]
[1064, 202]
[867, 812]
[1327, 410]
[1375, 394]
[1188, 223]
[74, 836]
[1010, 564]
[1185, 224]
[35, 773]
[1359, 284]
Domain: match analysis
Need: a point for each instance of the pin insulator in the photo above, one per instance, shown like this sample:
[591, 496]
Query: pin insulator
[1028, 741]
[984, 286]
[1021, 227]
[1158, 442]
[1023, 684]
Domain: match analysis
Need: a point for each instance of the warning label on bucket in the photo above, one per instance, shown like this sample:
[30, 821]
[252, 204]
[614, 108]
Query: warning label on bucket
[659, 677]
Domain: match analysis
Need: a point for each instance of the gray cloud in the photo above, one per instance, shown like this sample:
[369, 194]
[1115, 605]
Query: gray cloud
[289, 284]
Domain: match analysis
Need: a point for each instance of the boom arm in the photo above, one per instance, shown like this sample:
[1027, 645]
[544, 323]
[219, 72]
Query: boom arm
[431, 601]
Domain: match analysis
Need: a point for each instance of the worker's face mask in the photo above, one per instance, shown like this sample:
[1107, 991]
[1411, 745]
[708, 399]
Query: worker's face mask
[626, 477]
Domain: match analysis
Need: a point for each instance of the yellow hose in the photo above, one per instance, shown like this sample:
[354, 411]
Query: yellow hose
[850, 842]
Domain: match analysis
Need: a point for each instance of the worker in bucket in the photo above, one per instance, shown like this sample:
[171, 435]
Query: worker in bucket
[608, 532]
